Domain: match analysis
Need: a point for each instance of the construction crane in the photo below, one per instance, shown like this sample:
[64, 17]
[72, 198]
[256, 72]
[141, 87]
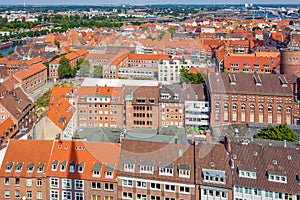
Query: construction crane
[228, 36]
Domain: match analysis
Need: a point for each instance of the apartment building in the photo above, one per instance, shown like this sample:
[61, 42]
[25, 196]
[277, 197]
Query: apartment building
[156, 171]
[100, 105]
[244, 98]
[111, 68]
[82, 170]
[213, 178]
[260, 62]
[144, 60]
[142, 107]
[13, 66]
[265, 171]
[22, 174]
[32, 78]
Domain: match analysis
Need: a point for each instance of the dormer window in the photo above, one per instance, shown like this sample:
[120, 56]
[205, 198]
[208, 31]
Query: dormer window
[184, 170]
[72, 167]
[40, 167]
[214, 176]
[81, 167]
[9, 167]
[247, 172]
[147, 166]
[277, 176]
[63, 166]
[166, 169]
[54, 165]
[109, 170]
[19, 167]
[129, 165]
[30, 167]
[97, 169]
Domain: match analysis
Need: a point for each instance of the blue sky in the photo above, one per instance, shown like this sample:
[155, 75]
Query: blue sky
[101, 2]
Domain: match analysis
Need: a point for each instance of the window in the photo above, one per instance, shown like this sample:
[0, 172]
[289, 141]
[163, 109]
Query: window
[234, 106]
[183, 189]
[226, 106]
[40, 168]
[155, 186]
[66, 183]
[6, 194]
[54, 183]
[72, 167]
[17, 194]
[8, 167]
[155, 197]
[127, 195]
[81, 167]
[19, 167]
[30, 167]
[54, 165]
[63, 166]
[28, 182]
[257, 192]
[243, 107]
[108, 198]
[17, 181]
[108, 186]
[268, 194]
[29, 194]
[39, 195]
[288, 110]
[141, 196]
[170, 188]
[6, 181]
[67, 195]
[141, 184]
[261, 108]
[38, 182]
[109, 171]
[127, 182]
[79, 185]
[79, 196]
[96, 197]
[96, 185]
[270, 108]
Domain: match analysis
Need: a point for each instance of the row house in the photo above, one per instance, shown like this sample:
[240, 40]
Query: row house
[184, 105]
[100, 106]
[265, 172]
[46, 169]
[156, 171]
[244, 98]
[144, 60]
[241, 46]
[61, 119]
[8, 130]
[17, 106]
[13, 66]
[32, 78]
[252, 63]
[98, 59]
[111, 68]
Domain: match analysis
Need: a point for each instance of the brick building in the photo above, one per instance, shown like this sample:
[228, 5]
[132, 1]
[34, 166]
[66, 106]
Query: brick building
[32, 78]
[244, 98]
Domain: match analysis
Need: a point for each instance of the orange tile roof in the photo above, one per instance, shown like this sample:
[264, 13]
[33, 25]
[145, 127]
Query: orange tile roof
[6, 126]
[72, 56]
[3, 60]
[59, 92]
[26, 151]
[25, 73]
[92, 90]
[88, 153]
[81, 52]
[61, 114]
[35, 60]
[146, 56]
[10, 83]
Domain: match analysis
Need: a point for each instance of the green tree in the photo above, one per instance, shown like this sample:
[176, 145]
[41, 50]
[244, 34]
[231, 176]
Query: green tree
[57, 43]
[98, 71]
[84, 68]
[187, 77]
[65, 69]
[281, 132]
[10, 52]
[1, 54]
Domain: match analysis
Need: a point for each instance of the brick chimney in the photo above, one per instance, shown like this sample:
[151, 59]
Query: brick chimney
[208, 136]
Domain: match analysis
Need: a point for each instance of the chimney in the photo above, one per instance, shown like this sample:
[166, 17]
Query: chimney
[183, 85]
[227, 143]
[284, 143]
[208, 136]
[97, 88]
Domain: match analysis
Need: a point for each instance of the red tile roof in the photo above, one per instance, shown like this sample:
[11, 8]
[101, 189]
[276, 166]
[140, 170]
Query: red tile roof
[59, 92]
[25, 73]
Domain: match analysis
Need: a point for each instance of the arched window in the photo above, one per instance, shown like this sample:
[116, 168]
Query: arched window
[288, 110]
[279, 109]
[226, 106]
[217, 105]
[252, 107]
[261, 108]
[243, 107]
[270, 108]
[234, 106]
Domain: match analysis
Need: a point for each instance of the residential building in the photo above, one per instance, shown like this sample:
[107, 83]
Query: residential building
[156, 171]
[8, 130]
[22, 174]
[111, 68]
[32, 78]
[244, 98]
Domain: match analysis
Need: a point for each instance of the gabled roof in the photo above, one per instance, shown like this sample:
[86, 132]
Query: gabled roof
[85, 154]
[266, 159]
[25, 73]
[7, 130]
[61, 113]
[26, 152]
[10, 83]
[59, 92]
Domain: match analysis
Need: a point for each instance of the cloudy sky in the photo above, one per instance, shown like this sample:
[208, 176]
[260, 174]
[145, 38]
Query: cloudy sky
[101, 2]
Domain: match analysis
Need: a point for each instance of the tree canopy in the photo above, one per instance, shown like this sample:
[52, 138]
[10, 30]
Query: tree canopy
[281, 133]
[97, 71]
[187, 77]
[10, 52]
[65, 69]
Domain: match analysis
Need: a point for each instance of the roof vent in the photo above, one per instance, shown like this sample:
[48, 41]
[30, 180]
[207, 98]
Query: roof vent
[275, 162]
[212, 164]
[289, 157]
[180, 152]
[255, 153]
[257, 80]
[234, 157]
[232, 79]
[283, 81]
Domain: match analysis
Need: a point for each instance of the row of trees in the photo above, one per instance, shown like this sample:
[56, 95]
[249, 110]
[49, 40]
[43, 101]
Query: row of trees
[281, 132]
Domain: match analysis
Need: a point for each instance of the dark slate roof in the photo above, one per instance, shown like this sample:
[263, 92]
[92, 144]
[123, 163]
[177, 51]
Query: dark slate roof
[246, 84]
[263, 160]
[185, 92]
